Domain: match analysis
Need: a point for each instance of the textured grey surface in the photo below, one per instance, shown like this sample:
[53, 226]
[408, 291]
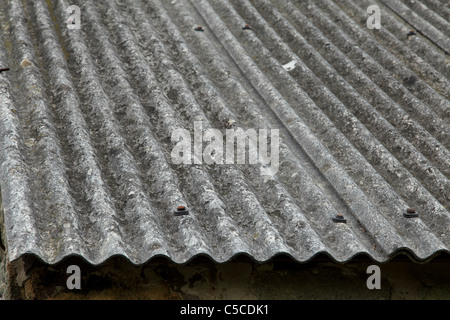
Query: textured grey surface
[86, 118]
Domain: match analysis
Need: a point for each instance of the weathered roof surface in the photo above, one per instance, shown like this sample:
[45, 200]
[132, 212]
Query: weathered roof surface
[86, 119]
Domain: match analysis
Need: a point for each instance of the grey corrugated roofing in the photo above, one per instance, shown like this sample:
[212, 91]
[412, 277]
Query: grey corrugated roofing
[86, 119]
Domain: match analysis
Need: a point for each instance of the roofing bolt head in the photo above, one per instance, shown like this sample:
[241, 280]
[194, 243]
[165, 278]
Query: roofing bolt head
[411, 33]
[410, 213]
[181, 211]
[339, 218]
[246, 27]
[199, 28]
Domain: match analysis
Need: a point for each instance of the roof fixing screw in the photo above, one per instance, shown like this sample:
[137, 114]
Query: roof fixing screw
[411, 33]
[246, 27]
[410, 213]
[181, 211]
[3, 69]
[199, 28]
[339, 218]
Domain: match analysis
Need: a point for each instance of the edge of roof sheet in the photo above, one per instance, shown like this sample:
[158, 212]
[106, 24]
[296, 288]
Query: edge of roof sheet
[401, 251]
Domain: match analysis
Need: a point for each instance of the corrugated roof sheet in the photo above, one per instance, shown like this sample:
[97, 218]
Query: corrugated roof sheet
[86, 119]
